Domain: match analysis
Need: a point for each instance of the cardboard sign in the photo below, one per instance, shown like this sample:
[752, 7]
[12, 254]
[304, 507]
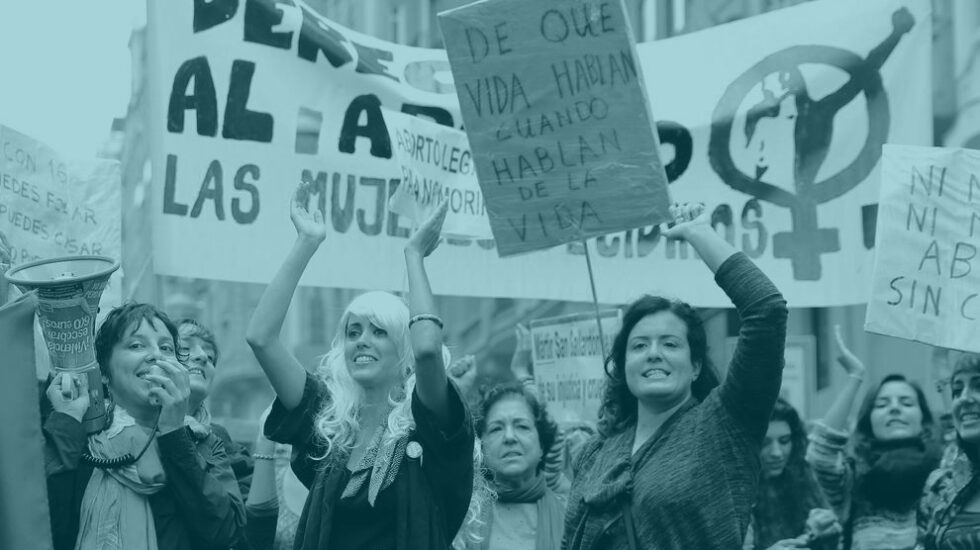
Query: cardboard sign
[560, 126]
[568, 363]
[52, 205]
[436, 165]
[926, 284]
[228, 148]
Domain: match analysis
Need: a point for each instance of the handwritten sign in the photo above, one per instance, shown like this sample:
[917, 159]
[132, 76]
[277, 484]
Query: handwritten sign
[568, 363]
[926, 282]
[219, 170]
[51, 205]
[436, 165]
[553, 100]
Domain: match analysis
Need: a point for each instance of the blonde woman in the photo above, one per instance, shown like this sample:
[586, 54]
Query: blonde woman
[380, 435]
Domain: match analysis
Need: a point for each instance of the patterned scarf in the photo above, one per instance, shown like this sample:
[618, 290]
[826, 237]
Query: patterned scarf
[380, 464]
[115, 512]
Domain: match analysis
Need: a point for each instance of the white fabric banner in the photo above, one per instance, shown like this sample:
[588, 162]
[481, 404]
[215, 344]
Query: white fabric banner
[926, 287]
[776, 122]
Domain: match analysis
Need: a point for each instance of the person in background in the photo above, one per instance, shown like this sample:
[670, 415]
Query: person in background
[949, 512]
[677, 461]
[381, 436]
[516, 434]
[147, 480]
[876, 489]
[199, 345]
[790, 505]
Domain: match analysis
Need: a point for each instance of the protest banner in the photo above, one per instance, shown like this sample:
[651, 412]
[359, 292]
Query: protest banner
[799, 370]
[436, 165]
[925, 287]
[52, 205]
[568, 363]
[558, 120]
[797, 194]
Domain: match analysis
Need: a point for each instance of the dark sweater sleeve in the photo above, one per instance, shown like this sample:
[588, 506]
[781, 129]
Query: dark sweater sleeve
[204, 487]
[755, 373]
[447, 456]
[296, 427]
[67, 476]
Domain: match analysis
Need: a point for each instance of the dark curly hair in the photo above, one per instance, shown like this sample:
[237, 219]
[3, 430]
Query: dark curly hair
[891, 474]
[194, 329]
[547, 429]
[618, 409]
[784, 502]
[121, 319]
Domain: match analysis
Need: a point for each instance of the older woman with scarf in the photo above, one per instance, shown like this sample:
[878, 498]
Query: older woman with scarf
[676, 464]
[148, 480]
[380, 435]
[875, 489]
[516, 434]
[949, 512]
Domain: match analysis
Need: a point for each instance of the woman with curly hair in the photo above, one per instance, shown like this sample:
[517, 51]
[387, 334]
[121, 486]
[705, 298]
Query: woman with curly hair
[676, 463]
[790, 506]
[949, 513]
[876, 489]
[380, 435]
[516, 434]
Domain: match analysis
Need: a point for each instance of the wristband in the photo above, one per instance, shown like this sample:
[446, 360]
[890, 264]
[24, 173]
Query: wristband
[425, 317]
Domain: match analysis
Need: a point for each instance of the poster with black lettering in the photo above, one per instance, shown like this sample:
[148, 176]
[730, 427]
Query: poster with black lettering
[558, 119]
[568, 363]
[777, 126]
[925, 287]
[52, 205]
[436, 165]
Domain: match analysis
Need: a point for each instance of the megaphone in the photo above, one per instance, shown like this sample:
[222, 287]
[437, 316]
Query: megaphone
[68, 291]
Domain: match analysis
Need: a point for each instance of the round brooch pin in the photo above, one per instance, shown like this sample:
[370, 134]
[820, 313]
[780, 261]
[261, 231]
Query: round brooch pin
[414, 450]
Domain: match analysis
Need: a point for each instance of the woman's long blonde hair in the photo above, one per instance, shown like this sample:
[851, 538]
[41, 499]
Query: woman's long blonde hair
[337, 423]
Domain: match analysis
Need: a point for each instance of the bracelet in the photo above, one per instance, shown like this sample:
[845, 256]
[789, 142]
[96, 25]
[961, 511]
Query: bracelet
[857, 377]
[258, 456]
[425, 317]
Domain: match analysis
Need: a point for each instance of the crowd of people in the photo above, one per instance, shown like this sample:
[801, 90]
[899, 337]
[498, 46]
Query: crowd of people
[388, 443]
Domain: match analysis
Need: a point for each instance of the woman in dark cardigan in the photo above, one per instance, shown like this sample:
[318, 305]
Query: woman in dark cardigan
[676, 464]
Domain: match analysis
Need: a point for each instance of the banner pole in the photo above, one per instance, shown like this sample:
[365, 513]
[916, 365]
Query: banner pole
[595, 299]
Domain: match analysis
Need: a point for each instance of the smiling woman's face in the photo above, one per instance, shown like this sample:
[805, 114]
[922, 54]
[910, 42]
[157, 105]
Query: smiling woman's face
[897, 413]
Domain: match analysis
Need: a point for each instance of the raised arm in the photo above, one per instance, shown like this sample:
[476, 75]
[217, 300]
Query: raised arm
[755, 372]
[840, 410]
[431, 381]
[826, 453]
[285, 373]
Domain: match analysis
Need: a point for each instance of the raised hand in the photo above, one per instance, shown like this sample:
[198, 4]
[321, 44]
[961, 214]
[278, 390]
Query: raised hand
[426, 238]
[309, 222]
[171, 392]
[902, 20]
[846, 357]
[688, 217]
[463, 372]
[68, 394]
